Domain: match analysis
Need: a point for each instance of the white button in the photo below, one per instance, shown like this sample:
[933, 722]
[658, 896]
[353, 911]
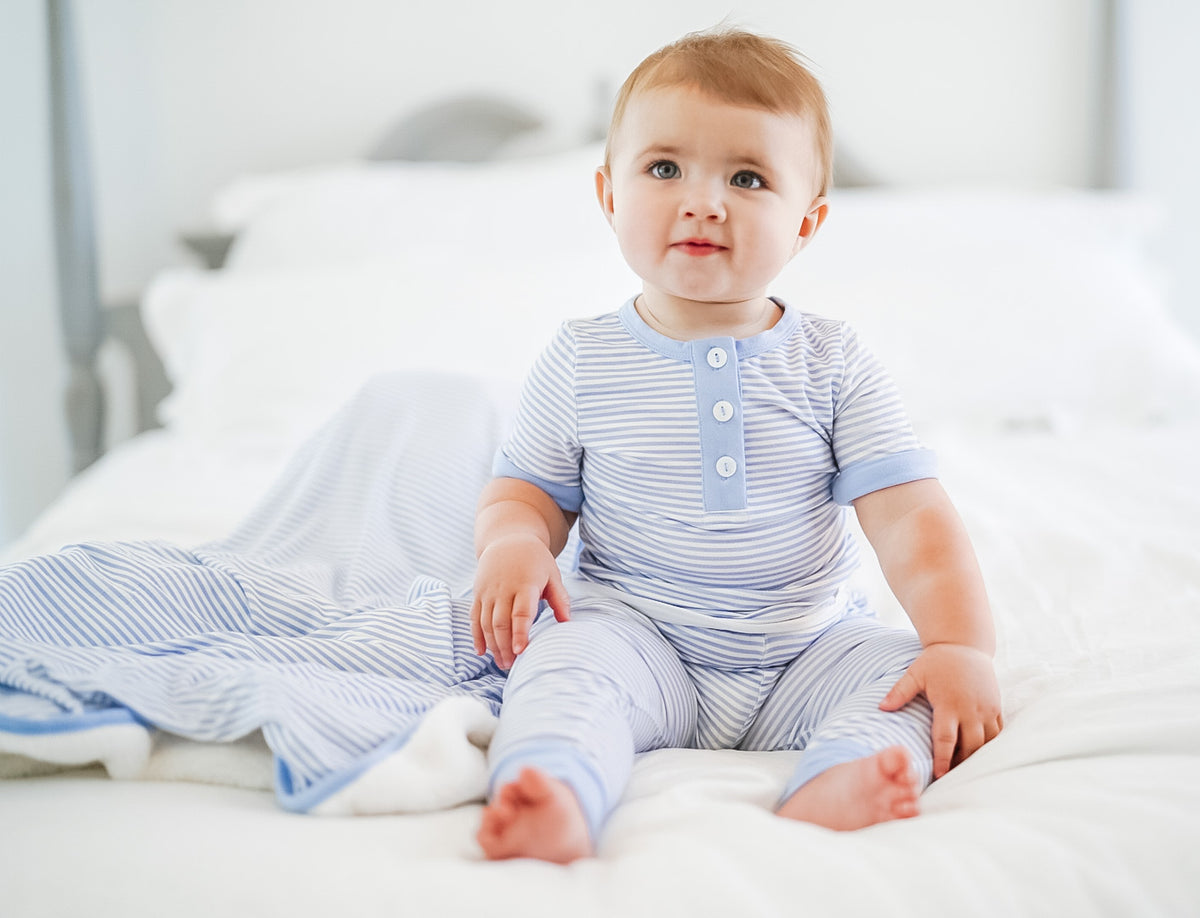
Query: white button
[726, 466]
[722, 411]
[717, 357]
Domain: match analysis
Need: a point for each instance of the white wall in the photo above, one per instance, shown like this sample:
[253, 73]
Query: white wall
[1161, 75]
[33, 447]
[187, 93]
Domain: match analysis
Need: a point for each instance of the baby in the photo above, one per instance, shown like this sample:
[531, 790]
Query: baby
[706, 439]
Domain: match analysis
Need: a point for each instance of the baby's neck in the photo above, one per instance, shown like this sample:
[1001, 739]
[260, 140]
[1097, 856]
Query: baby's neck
[689, 320]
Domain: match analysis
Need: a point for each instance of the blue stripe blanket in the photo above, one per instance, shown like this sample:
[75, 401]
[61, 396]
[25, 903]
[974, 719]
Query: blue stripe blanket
[334, 620]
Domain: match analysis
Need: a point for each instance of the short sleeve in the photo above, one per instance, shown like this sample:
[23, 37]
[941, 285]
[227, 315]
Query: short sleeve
[543, 447]
[874, 445]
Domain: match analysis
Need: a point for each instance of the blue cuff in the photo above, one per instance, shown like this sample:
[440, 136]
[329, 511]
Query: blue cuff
[862, 478]
[569, 497]
[815, 761]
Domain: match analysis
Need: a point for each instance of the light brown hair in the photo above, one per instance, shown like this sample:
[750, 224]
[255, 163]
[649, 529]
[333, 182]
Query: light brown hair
[741, 68]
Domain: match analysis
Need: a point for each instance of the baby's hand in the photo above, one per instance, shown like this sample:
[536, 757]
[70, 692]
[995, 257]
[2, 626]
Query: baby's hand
[960, 683]
[513, 576]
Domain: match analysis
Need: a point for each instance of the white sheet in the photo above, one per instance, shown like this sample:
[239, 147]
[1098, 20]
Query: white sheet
[1088, 803]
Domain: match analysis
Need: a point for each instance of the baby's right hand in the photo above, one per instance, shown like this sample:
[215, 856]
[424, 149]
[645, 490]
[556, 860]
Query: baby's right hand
[514, 574]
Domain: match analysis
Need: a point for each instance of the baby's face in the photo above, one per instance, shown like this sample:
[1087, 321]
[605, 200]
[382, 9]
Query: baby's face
[709, 200]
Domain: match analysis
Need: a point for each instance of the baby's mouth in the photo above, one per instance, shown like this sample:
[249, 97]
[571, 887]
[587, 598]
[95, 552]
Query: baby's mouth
[698, 247]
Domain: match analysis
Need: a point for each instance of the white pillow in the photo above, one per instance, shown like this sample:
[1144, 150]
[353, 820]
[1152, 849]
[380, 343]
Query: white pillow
[365, 211]
[1004, 308]
[991, 308]
[275, 349]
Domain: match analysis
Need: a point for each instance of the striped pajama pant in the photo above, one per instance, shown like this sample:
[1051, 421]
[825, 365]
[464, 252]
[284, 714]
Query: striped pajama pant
[588, 694]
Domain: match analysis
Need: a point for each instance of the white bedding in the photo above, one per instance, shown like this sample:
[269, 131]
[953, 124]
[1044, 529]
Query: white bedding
[1081, 500]
[1087, 804]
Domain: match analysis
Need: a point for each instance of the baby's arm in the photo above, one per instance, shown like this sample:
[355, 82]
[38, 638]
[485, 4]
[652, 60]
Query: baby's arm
[519, 530]
[929, 563]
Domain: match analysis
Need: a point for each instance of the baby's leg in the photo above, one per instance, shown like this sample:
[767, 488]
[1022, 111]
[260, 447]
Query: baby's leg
[861, 765]
[580, 701]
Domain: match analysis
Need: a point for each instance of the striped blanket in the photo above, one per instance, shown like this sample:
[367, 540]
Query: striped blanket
[333, 620]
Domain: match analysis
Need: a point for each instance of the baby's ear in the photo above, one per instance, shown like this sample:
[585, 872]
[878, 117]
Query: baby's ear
[604, 192]
[817, 212]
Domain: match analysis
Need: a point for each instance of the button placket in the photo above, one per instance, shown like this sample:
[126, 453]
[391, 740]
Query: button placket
[718, 401]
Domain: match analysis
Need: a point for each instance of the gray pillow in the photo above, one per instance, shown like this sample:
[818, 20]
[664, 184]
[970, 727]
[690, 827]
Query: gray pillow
[463, 129]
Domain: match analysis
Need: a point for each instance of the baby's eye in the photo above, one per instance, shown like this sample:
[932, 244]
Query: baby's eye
[664, 169]
[747, 179]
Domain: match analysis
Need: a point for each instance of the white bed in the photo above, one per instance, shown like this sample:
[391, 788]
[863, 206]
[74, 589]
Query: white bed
[1029, 337]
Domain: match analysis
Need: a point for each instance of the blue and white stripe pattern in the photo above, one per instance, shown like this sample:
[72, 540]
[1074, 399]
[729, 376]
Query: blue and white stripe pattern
[710, 474]
[589, 693]
[710, 478]
[333, 619]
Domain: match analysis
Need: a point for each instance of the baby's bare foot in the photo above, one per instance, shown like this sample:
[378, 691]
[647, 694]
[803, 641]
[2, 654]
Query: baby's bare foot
[857, 794]
[534, 816]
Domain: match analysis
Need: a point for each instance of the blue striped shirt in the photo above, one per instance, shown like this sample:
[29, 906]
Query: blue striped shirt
[710, 474]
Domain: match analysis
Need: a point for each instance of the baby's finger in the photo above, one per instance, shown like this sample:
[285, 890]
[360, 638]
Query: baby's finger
[971, 737]
[485, 627]
[524, 612]
[900, 694]
[476, 629]
[501, 642]
[945, 738]
[992, 728]
[556, 594]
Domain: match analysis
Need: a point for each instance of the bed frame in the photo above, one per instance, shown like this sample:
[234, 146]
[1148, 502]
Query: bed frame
[87, 322]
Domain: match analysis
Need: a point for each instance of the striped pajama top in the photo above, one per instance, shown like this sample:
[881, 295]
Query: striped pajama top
[712, 474]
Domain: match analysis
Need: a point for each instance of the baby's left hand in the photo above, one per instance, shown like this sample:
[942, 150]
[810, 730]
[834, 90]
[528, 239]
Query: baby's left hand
[961, 685]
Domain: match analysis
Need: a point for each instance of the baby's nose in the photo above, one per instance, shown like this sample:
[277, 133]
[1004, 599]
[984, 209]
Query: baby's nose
[703, 200]
[704, 210]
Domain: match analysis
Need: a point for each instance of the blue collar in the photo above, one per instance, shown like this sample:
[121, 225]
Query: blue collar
[683, 350]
